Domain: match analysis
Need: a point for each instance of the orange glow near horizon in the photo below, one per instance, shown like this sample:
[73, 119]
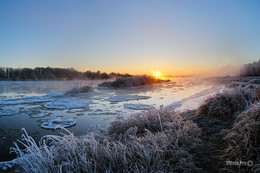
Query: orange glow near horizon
[157, 75]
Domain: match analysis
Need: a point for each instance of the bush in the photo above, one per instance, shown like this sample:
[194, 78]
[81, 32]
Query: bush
[130, 145]
[78, 90]
[132, 81]
[243, 140]
[225, 104]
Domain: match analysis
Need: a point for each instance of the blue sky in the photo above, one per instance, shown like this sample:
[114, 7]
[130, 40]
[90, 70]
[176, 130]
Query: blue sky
[134, 36]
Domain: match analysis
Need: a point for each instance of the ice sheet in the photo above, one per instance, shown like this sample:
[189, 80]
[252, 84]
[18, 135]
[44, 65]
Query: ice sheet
[8, 111]
[173, 105]
[121, 98]
[137, 106]
[40, 115]
[67, 104]
[56, 123]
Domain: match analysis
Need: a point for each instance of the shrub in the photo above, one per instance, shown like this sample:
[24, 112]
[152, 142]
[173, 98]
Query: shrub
[128, 146]
[78, 90]
[132, 81]
[225, 104]
[243, 140]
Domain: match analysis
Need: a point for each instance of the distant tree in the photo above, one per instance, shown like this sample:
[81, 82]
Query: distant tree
[251, 69]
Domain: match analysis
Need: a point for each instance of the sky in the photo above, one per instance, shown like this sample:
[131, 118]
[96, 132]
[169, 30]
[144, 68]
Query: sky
[174, 37]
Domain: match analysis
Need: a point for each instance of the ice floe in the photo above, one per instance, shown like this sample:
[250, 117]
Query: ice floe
[8, 111]
[22, 92]
[173, 105]
[40, 115]
[25, 100]
[122, 98]
[58, 123]
[30, 99]
[137, 106]
[67, 104]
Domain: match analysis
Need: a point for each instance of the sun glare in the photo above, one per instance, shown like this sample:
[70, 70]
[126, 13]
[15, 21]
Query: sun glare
[157, 75]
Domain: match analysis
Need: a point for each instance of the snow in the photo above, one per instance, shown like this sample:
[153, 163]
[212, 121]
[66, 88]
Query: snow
[8, 111]
[206, 92]
[121, 98]
[58, 123]
[67, 104]
[137, 106]
[8, 164]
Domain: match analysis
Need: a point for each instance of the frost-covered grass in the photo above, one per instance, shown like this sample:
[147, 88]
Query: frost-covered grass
[132, 81]
[225, 105]
[152, 141]
[243, 140]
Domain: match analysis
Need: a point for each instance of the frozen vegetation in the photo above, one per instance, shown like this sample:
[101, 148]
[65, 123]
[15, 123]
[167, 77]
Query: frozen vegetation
[58, 123]
[243, 140]
[166, 144]
[224, 105]
[251, 69]
[132, 81]
[78, 90]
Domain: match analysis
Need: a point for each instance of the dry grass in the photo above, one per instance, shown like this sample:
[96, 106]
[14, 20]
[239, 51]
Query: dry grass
[243, 140]
[132, 81]
[225, 105]
[137, 144]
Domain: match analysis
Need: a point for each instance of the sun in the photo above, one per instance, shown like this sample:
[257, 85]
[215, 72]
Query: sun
[157, 75]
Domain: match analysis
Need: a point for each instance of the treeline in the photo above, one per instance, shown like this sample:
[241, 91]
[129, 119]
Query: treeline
[251, 69]
[48, 73]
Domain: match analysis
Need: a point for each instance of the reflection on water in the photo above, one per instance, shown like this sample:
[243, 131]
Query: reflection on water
[99, 111]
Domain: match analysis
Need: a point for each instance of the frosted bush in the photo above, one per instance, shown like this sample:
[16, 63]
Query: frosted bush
[154, 141]
[224, 105]
[243, 140]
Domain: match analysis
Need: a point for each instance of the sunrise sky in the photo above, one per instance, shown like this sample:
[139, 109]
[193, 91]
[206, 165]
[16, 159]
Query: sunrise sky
[131, 36]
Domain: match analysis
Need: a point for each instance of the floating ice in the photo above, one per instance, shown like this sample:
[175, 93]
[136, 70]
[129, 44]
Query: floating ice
[122, 98]
[31, 99]
[137, 106]
[40, 115]
[67, 104]
[8, 164]
[25, 100]
[8, 111]
[22, 92]
[58, 123]
[173, 105]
